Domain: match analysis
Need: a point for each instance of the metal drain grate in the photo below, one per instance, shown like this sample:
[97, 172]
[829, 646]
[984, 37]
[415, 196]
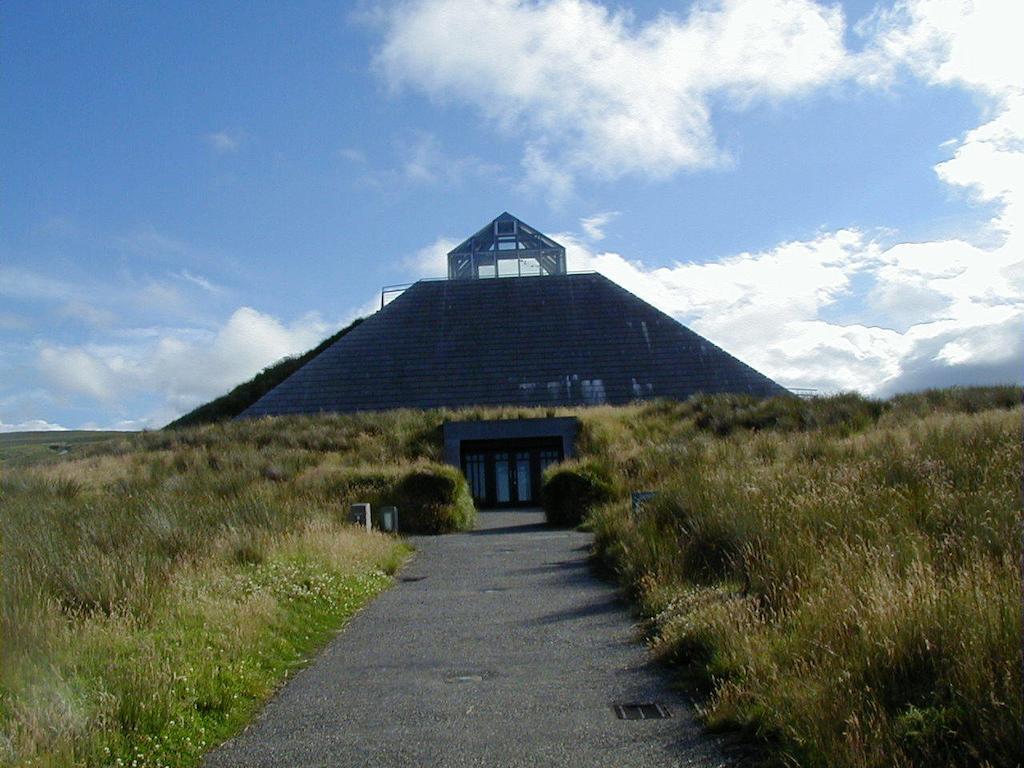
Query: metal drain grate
[641, 711]
[413, 578]
[465, 679]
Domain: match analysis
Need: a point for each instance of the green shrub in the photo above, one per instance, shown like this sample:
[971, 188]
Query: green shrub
[844, 414]
[724, 414]
[434, 498]
[955, 400]
[572, 489]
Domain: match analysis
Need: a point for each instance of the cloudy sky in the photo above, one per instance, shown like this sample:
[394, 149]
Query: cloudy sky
[831, 191]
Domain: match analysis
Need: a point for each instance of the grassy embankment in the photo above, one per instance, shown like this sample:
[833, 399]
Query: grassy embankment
[157, 588]
[840, 576]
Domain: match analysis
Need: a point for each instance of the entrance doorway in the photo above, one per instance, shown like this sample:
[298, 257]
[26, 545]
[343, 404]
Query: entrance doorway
[508, 473]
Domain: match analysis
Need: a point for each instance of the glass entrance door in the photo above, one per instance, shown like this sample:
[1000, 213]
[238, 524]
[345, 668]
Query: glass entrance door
[523, 486]
[474, 466]
[508, 473]
[503, 482]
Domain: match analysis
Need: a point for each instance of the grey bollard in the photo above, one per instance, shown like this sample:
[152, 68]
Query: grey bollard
[360, 515]
[387, 519]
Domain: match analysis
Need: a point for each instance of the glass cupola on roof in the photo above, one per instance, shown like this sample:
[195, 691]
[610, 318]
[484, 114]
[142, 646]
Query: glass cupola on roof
[506, 248]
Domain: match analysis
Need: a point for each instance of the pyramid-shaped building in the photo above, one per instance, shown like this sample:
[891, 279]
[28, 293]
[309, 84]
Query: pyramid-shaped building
[511, 326]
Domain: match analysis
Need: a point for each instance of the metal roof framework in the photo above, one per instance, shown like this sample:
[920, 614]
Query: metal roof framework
[506, 247]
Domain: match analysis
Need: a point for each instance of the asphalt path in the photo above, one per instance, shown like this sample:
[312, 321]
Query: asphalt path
[497, 647]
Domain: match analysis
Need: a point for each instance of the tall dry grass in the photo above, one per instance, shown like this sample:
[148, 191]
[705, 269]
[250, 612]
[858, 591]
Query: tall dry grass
[843, 581]
[840, 574]
[155, 589]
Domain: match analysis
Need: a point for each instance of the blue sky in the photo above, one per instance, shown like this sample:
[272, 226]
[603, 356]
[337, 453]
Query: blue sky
[190, 192]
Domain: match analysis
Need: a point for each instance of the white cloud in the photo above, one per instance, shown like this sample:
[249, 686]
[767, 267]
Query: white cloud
[844, 309]
[159, 296]
[94, 303]
[976, 315]
[12, 322]
[432, 260]
[199, 280]
[85, 372]
[31, 425]
[423, 163]
[422, 160]
[183, 367]
[426, 162]
[594, 93]
[84, 312]
[973, 43]
[352, 154]
[152, 245]
[593, 226]
[226, 142]
[555, 181]
[19, 283]
[953, 309]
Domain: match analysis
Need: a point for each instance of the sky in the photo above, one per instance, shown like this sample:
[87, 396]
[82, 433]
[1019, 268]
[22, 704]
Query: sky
[190, 192]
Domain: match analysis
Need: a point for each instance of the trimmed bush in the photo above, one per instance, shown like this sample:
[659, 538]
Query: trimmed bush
[571, 489]
[434, 498]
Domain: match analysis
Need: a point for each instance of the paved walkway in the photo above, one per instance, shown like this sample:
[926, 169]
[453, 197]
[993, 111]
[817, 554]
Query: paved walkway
[497, 648]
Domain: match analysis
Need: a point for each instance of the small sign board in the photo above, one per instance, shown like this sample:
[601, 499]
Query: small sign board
[387, 519]
[360, 515]
[639, 498]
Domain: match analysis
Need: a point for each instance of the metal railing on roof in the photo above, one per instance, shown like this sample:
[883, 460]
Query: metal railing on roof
[804, 392]
[399, 288]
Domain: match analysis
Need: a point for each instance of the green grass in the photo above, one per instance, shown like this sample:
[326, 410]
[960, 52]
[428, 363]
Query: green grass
[117, 690]
[840, 577]
[155, 590]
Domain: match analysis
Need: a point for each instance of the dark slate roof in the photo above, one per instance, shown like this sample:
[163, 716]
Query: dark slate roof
[555, 340]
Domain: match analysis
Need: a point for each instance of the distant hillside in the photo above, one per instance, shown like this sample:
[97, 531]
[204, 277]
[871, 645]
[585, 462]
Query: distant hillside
[241, 397]
[18, 448]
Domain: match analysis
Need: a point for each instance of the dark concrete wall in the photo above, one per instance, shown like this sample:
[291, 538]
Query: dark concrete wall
[455, 432]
